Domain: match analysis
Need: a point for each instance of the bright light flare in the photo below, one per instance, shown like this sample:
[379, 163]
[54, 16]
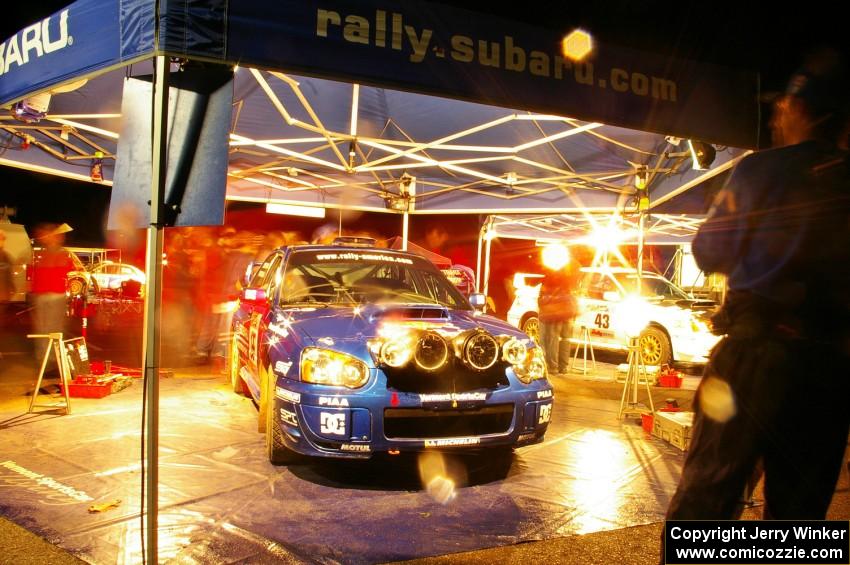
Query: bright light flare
[633, 315]
[717, 400]
[577, 44]
[555, 256]
[436, 478]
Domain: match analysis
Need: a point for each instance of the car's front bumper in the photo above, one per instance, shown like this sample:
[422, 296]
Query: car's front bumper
[359, 425]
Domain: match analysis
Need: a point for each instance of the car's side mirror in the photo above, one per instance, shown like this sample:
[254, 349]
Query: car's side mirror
[249, 272]
[478, 301]
[611, 296]
[254, 296]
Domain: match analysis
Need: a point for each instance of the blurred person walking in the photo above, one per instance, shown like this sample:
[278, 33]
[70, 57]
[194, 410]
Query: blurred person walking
[7, 285]
[775, 389]
[557, 307]
[49, 278]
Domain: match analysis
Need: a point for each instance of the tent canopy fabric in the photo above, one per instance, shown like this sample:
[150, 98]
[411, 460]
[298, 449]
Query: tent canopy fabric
[438, 260]
[596, 229]
[307, 140]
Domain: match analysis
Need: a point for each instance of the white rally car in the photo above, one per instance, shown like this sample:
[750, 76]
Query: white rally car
[675, 323]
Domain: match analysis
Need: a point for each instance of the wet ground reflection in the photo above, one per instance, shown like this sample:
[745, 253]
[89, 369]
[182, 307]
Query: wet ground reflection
[222, 501]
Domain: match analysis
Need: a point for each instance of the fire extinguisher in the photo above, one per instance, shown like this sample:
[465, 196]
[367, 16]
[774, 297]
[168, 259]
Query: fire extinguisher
[97, 167]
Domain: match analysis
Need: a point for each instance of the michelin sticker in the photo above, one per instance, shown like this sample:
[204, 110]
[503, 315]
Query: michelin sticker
[288, 395]
[282, 367]
[452, 442]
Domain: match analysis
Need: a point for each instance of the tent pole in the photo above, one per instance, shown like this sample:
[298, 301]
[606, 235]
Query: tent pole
[478, 260]
[405, 227]
[153, 303]
[641, 236]
[487, 264]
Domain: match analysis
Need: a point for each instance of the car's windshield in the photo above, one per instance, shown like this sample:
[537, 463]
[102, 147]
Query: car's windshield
[652, 287]
[365, 276]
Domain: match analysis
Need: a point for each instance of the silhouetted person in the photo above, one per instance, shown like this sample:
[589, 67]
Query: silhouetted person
[775, 388]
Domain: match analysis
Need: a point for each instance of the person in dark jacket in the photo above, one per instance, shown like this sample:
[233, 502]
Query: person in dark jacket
[775, 388]
[557, 308]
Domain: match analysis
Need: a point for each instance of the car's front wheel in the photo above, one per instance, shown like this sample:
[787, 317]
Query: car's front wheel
[235, 367]
[655, 347]
[276, 450]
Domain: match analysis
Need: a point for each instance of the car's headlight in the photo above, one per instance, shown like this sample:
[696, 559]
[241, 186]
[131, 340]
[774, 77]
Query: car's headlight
[533, 368]
[327, 367]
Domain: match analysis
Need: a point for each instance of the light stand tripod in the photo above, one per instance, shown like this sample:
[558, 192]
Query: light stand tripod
[630, 388]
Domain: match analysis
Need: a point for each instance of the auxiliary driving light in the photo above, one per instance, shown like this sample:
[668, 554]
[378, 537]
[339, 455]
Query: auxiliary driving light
[514, 351]
[395, 353]
[480, 351]
[432, 352]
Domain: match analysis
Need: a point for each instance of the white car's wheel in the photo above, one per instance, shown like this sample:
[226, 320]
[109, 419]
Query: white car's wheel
[77, 287]
[655, 347]
[531, 326]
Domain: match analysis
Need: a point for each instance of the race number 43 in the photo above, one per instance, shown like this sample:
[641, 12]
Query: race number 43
[602, 321]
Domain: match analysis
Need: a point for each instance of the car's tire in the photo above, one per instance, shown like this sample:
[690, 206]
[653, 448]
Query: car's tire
[276, 450]
[236, 382]
[531, 326]
[655, 347]
[77, 287]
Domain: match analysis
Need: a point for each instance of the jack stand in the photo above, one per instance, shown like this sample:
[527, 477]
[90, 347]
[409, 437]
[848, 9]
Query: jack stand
[585, 343]
[56, 343]
[630, 388]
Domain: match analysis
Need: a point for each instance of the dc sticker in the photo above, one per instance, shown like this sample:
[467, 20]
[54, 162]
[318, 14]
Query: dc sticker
[332, 424]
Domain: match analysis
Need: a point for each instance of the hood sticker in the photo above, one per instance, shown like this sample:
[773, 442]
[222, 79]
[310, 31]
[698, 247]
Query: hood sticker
[452, 442]
[287, 395]
[453, 397]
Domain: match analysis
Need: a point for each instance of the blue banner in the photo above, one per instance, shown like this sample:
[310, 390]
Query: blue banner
[452, 52]
[87, 36]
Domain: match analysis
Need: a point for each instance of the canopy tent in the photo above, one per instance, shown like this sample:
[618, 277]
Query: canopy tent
[438, 260]
[312, 141]
[517, 126]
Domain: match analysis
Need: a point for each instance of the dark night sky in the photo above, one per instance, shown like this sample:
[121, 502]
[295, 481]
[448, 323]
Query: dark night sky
[756, 36]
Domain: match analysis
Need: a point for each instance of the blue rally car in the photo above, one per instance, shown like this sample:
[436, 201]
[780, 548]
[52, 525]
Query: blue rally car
[351, 350]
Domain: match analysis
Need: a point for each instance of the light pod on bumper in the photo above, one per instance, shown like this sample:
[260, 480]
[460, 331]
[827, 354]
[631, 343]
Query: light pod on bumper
[514, 351]
[327, 367]
[533, 368]
[395, 353]
[432, 352]
[480, 351]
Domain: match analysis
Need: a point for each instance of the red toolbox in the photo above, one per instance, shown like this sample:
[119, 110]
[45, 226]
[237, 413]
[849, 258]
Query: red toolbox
[93, 386]
[669, 377]
[81, 389]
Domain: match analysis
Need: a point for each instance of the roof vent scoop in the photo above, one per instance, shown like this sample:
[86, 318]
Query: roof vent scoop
[412, 313]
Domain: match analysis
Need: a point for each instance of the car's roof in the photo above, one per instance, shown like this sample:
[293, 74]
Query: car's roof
[619, 271]
[349, 248]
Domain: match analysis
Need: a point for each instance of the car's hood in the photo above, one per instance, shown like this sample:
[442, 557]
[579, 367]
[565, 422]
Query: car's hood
[349, 324]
